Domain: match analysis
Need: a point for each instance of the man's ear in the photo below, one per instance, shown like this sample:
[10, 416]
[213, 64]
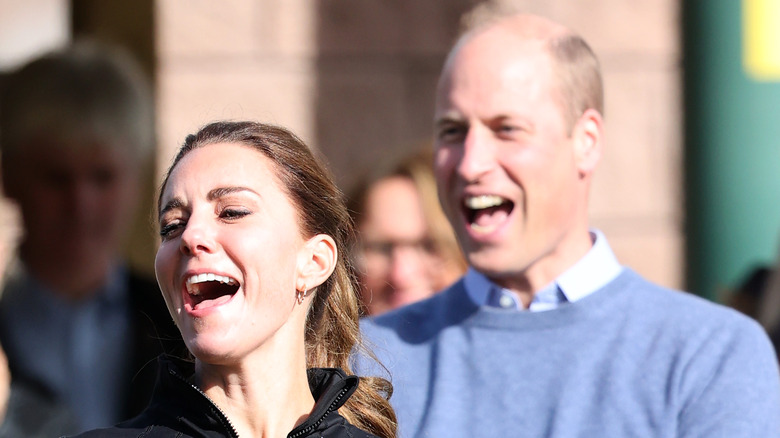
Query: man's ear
[316, 262]
[588, 136]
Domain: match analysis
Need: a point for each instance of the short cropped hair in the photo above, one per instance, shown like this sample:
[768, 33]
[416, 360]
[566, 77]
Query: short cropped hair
[83, 92]
[579, 77]
[578, 71]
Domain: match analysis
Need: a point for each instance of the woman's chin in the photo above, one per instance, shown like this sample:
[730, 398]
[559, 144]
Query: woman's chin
[210, 350]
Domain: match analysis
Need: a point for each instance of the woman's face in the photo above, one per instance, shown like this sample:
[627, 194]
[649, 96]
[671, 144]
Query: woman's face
[230, 253]
[399, 263]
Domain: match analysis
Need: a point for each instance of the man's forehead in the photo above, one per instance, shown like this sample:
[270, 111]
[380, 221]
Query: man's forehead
[512, 37]
[489, 76]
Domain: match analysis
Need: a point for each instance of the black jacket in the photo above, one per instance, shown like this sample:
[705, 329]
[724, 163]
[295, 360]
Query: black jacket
[179, 409]
[154, 333]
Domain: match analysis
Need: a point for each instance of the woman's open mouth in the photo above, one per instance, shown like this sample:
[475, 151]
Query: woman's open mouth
[209, 290]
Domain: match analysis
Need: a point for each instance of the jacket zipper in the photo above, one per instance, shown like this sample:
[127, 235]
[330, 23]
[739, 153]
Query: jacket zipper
[220, 414]
[314, 425]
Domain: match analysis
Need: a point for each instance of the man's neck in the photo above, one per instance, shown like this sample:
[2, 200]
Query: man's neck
[545, 270]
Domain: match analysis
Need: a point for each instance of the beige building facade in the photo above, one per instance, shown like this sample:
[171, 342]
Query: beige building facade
[356, 79]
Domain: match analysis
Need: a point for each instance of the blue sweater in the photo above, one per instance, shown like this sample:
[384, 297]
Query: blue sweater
[630, 360]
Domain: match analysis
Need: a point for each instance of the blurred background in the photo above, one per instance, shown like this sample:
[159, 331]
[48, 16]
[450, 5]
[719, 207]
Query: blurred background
[688, 189]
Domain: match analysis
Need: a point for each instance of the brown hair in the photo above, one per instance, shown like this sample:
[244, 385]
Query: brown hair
[332, 331]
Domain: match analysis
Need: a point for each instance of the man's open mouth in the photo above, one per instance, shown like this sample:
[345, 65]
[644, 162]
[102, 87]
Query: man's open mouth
[485, 213]
[208, 289]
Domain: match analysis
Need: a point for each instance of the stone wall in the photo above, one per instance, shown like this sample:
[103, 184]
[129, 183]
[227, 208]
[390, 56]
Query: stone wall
[356, 79]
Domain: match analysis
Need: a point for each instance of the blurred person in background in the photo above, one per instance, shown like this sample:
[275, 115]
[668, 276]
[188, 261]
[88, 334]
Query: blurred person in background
[407, 248]
[27, 410]
[757, 294]
[76, 128]
[767, 299]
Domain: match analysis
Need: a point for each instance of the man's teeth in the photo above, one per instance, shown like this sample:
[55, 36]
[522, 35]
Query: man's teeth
[201, 278]
[483, 201]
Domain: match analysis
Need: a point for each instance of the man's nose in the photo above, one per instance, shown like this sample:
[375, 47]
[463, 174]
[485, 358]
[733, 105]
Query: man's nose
[478, 154]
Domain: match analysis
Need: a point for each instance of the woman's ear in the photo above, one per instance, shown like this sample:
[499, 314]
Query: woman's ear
[588, 135]
[317, 261]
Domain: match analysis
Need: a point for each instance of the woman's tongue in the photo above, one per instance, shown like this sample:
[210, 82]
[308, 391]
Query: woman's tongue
[211, 294]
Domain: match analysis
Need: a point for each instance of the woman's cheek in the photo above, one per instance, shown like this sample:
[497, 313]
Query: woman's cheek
[164, 268]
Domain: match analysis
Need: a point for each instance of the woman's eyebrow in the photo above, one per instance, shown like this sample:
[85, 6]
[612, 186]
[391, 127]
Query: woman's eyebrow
[223, 191]
[170, 205]
[211, 196]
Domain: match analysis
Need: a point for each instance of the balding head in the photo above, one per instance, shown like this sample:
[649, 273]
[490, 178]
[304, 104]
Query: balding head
[577, 70]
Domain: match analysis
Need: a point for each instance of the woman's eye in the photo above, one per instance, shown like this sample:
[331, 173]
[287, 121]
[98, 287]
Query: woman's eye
[170, 229]
[233, 213]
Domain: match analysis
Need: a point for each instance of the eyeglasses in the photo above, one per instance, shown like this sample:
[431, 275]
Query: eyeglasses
[386, 250]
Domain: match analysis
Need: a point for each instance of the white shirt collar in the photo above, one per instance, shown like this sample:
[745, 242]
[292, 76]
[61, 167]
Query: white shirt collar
[592, 272]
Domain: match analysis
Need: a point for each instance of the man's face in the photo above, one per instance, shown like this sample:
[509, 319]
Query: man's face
[505, 162]
[76, 202]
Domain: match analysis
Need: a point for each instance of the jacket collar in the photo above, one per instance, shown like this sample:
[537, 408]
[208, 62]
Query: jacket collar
[331, 387]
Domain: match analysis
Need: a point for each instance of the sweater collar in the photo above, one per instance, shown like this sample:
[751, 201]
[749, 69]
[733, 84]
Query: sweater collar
[596, 269]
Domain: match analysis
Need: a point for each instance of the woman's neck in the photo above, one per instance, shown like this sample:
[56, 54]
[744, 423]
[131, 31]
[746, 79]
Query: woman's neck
[262, 398]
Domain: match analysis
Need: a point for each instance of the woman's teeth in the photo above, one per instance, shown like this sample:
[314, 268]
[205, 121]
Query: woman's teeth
[202, 278]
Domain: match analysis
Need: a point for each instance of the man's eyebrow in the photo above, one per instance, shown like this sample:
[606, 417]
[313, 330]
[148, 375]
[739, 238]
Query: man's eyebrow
[447, 119]
[224, 191]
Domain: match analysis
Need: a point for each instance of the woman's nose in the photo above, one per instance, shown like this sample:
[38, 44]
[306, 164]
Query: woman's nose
[197, 237]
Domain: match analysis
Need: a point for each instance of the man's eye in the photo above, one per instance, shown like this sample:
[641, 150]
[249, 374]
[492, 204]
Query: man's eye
[508, 129]
[451, 133]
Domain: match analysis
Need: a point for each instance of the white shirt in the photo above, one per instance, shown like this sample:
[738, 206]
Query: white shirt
[592, 272]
